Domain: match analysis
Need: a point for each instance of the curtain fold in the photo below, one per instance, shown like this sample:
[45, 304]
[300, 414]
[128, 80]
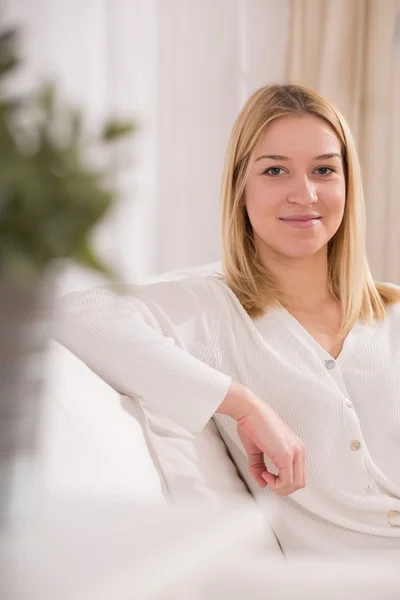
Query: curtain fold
[348, 51]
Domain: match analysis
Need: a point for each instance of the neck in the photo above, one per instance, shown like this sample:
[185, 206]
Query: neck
[304, 282]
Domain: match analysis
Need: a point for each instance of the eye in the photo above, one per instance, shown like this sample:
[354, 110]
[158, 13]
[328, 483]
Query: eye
[324, 170]
[274, 171]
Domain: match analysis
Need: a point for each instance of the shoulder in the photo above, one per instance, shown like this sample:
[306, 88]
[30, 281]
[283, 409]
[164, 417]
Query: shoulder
[390, 293]
[184, 296]
[390, 285]
[393, 311]
[199, 286]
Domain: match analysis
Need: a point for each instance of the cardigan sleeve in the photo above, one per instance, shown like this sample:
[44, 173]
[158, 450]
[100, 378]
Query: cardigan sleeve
[150, 341]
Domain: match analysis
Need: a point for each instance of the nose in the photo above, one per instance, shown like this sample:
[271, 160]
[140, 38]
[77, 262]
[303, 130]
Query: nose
[302, 192]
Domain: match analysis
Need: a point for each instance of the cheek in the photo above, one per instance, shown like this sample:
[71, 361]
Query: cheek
[334, 203]
[260, 201]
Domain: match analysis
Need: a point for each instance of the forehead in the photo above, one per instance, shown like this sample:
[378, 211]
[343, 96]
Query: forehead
[298, 134]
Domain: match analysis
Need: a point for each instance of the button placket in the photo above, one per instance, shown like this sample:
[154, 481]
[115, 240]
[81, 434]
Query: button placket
[356, 446]
[361, 475]
[334, 372]
[356, 443]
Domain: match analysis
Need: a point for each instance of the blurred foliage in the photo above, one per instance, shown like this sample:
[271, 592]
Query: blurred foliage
[50, 195]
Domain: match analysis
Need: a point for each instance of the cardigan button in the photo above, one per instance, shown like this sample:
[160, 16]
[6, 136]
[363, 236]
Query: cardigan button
[394, 517]
[392, 514]
[349, 403]
[330, 364]
[355, 445]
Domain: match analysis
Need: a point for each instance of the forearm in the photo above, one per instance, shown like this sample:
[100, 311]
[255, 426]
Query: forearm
[239, 402]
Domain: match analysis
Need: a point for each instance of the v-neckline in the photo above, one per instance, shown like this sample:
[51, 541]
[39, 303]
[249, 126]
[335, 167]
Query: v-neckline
[350, 342]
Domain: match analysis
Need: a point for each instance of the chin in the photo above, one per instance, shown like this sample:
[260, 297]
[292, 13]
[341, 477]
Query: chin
[294, 249]
[302, 250]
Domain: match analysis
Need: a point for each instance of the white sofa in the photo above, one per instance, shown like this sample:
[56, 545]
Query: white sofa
[96, 442]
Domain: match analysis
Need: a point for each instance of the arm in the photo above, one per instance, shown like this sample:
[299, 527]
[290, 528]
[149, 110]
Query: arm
[149, 341]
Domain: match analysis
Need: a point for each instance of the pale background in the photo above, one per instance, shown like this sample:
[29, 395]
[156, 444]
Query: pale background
[182, 69]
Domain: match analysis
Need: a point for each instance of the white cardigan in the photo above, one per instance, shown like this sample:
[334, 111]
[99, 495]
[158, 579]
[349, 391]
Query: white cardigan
[179, 344]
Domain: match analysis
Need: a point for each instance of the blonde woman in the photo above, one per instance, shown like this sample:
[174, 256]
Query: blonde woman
[295, 351]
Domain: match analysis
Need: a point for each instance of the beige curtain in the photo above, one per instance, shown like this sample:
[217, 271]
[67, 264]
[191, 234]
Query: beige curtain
[349, 50]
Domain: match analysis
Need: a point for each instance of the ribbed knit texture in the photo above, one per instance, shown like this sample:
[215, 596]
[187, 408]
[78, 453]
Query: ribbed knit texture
[179, 344]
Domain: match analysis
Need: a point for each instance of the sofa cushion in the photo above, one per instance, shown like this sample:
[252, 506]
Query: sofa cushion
[127, 450]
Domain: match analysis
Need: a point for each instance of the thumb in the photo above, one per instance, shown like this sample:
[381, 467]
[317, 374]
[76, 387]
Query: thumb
[269, 478]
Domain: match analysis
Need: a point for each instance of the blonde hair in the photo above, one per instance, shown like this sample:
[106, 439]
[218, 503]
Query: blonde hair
[350, 278]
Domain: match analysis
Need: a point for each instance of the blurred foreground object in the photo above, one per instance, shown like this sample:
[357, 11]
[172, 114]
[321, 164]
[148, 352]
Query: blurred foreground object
[50, 199]
[85, 548]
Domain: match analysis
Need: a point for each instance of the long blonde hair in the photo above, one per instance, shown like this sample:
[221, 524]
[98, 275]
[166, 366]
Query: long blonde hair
[350, 278]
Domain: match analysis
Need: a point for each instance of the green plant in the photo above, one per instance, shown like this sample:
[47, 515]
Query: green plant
[51, 196]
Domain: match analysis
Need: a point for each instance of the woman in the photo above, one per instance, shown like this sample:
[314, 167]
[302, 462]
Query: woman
[294, 350]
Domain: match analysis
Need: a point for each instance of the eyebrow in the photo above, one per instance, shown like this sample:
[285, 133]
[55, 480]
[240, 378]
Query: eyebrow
[320, 157]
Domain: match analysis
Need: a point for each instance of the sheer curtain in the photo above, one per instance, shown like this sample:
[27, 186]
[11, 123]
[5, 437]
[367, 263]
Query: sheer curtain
[211, 55]
[349, 52]
[184, 68]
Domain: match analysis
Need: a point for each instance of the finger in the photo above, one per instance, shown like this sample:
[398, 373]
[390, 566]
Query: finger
[299, 476]
[255, 458]
[298, 470]
[257, 467]
[285, 476]
[270, 479]
[284, 484]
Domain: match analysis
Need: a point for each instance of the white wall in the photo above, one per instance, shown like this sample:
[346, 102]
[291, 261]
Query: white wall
[182, 68]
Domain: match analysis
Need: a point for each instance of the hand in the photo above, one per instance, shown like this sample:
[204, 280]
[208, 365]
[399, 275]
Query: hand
[262, 431]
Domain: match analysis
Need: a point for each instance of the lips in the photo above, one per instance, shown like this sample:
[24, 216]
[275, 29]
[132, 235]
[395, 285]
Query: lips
[300, 217]
[302, 221]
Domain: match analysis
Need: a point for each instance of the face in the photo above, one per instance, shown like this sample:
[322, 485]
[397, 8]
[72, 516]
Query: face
[295, 193]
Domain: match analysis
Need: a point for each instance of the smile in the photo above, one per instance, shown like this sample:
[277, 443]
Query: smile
[303, 222]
